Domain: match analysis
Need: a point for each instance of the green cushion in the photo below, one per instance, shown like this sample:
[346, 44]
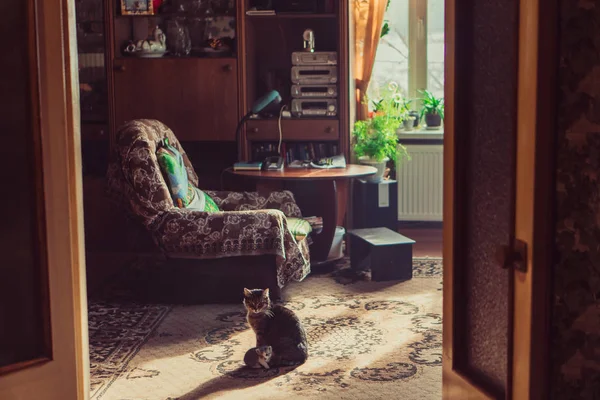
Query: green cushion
[184, 194]
[203, 202]
[299, 227]
[173, 170]
[210, 205]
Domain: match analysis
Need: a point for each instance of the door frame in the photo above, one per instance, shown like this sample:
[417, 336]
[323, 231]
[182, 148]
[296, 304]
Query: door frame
[535, 203]
[65, 375]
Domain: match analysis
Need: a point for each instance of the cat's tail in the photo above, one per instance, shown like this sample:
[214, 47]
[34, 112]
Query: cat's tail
[294, 356]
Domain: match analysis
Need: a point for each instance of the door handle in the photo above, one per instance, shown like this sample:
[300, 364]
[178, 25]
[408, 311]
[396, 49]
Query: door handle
[513, 256]
[119, 68]
[227, 68]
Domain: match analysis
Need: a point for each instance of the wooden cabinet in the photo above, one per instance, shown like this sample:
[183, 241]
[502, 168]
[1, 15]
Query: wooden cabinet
[196, 97]
[265, 49]
[293, 129]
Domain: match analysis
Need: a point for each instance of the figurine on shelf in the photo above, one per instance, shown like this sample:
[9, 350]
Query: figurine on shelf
[155, 47]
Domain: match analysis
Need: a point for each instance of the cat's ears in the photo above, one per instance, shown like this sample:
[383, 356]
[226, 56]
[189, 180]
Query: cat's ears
[248, 292]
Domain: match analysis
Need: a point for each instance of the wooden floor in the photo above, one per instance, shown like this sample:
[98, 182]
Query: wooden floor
[428, 241]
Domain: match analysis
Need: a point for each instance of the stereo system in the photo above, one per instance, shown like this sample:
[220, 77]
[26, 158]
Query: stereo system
[314, 75]
[314, 92]
[314, 108]
[314, 58]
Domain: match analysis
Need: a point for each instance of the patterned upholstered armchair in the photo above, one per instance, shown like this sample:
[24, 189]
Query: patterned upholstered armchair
[247, 243]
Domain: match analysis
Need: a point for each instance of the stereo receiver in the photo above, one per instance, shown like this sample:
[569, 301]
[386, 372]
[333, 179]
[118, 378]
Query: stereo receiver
[315, 58]
[312, 91]
[314, 108]
[314, 75]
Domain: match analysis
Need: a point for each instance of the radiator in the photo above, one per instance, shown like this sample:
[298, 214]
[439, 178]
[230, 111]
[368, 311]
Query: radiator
[420, 184]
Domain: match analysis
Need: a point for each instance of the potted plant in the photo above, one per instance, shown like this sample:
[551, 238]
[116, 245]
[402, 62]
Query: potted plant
[410, 118]
[376, 143]
[392, 103]
[433, 109]
[375, 139]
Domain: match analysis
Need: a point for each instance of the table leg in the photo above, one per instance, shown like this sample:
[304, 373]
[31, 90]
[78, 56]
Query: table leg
[342, 199]
[318, 198]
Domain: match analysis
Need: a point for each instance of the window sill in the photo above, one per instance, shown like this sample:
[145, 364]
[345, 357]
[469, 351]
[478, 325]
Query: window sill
[421, 134]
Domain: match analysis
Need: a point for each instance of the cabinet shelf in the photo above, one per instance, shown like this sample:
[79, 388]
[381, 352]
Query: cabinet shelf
[167, 57]
[292, 16]
[293, 129]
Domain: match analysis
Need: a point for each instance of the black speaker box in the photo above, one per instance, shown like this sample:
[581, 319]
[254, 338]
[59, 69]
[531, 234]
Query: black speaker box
[375, 205]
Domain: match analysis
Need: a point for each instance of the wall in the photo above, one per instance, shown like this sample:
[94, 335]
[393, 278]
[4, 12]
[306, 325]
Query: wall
[576, 309]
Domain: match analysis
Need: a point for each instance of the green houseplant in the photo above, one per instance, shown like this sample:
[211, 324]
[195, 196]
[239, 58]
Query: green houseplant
[433, 109]
[411, 118]
[375, 139]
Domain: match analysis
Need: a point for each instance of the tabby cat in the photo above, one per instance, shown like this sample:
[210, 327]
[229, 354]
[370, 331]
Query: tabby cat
[276, 326]
[258, 357]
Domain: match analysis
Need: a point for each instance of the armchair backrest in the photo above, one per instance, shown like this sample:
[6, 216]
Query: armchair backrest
[134, 178]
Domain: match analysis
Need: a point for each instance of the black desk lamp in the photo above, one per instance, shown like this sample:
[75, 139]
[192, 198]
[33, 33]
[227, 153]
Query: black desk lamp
[273, 97]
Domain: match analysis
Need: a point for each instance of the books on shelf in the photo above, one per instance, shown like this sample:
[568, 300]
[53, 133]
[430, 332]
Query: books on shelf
[302, 154]
[247, 166]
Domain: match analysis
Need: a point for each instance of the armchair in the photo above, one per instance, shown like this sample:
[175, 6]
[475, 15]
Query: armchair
[247, 243]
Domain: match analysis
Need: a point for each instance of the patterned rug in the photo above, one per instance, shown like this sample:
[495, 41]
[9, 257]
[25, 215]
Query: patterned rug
[366, 340]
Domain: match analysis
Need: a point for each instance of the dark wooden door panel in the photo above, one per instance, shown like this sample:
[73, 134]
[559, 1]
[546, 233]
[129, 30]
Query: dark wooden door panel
[24, 307]
[196, 98]
[484, 191]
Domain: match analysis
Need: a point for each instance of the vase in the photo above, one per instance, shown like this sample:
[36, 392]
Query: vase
[409, 123]
[179, 43]
[380, 165]
[416, 117]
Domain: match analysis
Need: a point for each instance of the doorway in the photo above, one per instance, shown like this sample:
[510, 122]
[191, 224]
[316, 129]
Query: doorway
[521, 288]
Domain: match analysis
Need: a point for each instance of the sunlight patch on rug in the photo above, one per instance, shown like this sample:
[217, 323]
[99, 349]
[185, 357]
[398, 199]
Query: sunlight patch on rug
[366, 340]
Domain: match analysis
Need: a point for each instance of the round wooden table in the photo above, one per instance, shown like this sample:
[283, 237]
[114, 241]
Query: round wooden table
[319, 192]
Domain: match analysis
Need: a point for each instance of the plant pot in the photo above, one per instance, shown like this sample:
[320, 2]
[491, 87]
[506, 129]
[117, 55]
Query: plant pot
[417, 117]
[433, 120]
[380, 165]
[409, 123]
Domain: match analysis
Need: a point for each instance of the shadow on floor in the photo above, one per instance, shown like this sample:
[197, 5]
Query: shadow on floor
[239, 378]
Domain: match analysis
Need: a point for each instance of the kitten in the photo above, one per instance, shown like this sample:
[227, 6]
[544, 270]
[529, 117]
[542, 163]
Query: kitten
[276, 326]
[258, 356]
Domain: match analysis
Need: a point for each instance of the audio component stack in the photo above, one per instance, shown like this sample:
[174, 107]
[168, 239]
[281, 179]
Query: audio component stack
[314, 81]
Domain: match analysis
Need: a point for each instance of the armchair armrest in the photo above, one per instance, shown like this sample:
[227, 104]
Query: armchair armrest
[233, 233]
[220, 234]
[242, 201]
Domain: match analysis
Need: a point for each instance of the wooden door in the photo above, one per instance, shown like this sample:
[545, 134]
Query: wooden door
[196, 98]
[43, 316]
[498, 231]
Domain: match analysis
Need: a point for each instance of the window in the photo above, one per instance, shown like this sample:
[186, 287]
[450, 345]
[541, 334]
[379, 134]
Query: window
[411, 50]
